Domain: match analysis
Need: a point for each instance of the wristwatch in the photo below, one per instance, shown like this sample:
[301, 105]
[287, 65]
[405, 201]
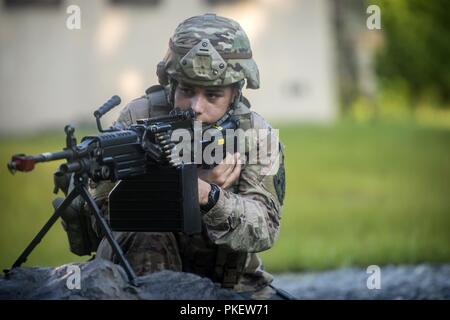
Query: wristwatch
[213, 197]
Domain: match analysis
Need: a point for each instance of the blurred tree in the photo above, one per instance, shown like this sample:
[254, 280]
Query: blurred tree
[355, 46]
[417, 47]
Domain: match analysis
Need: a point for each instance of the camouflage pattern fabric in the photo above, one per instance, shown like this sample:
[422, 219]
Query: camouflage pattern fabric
[147, 252]
[209, 50]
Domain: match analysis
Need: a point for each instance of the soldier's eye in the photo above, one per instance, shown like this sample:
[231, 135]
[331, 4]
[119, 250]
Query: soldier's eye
[186, 91]
[213, 95]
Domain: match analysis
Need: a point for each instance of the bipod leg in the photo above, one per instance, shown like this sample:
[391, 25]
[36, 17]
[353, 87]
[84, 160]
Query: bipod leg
[37, 239]
[108, 233]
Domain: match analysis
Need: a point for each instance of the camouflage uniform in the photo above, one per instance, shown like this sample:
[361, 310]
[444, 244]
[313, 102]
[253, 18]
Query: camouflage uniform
[210, 51]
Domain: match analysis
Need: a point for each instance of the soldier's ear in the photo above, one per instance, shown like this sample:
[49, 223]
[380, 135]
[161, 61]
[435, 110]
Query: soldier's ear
[161, 73]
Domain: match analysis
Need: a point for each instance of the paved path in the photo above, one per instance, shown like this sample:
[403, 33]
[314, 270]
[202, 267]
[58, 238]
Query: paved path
[422, 281]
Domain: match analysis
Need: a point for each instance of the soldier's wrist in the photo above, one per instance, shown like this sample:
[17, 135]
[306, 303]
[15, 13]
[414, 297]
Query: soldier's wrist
[213, 197]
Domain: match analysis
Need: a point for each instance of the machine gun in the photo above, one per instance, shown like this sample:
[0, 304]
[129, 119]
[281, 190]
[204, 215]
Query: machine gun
[135, 157]
[114, 154]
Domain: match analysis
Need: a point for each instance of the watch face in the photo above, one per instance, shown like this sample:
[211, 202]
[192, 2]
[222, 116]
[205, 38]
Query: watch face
[215, 191]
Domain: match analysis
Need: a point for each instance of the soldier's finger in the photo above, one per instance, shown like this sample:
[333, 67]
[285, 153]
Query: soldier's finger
[229, 159]
[223, 175]
[237, 156]
[233, 177]
[224, 166]
[232, 161]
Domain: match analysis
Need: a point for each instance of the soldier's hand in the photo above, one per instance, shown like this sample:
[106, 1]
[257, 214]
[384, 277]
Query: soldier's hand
[225, 174]
[203, 191]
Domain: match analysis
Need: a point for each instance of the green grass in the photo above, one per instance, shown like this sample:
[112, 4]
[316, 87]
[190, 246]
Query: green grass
[25, 203]
[362, 195]
[356, 195]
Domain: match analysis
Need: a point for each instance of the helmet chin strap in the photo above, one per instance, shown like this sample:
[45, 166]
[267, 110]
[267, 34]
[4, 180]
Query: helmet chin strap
[233, 106]
[172, 87]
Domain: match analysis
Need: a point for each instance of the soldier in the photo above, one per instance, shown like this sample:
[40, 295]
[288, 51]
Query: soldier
[206, 66]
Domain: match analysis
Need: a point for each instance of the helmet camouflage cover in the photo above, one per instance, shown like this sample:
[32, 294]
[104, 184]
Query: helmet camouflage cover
[209, 50]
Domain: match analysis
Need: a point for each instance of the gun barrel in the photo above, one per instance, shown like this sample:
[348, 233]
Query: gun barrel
[25, 163]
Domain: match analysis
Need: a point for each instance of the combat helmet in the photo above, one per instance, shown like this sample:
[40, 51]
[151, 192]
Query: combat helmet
[209, 50]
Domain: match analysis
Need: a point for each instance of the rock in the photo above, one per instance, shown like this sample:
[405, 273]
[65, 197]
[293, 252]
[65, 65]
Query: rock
[101, 279]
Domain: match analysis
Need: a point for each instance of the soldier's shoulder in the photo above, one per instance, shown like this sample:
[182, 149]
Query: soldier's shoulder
[250, 119]
[138, 106]
[153, 103]
[259, 122]
[136, 109]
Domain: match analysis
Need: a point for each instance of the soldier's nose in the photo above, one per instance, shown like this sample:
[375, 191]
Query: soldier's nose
[198, 104]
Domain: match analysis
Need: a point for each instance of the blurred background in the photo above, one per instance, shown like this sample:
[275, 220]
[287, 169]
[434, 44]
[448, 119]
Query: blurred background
[364, 114]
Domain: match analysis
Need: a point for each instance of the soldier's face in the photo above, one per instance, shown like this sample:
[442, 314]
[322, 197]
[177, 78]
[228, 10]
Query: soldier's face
[209, 103]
